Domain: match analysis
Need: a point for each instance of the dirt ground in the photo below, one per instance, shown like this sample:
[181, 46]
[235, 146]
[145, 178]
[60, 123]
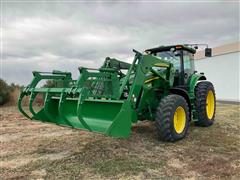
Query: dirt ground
[33, 150]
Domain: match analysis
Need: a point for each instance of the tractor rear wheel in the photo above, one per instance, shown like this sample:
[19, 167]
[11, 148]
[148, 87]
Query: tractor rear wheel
[172, 118]
[205, 103]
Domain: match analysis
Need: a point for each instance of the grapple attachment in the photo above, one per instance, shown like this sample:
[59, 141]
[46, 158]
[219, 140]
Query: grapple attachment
[93, 102]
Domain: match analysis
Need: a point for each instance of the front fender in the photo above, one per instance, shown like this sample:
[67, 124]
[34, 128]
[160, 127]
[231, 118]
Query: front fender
[192, 82]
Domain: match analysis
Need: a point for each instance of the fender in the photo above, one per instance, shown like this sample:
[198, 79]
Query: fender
[192, 82]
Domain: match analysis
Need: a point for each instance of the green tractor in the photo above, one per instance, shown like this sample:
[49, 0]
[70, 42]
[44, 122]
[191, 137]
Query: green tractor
[160, 85]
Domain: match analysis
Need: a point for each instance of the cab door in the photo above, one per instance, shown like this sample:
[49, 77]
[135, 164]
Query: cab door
[188, 63]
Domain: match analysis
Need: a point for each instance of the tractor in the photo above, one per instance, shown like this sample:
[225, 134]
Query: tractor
[160, 85]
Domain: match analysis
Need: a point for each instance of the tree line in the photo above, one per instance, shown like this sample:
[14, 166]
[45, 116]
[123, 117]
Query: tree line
[8, 90]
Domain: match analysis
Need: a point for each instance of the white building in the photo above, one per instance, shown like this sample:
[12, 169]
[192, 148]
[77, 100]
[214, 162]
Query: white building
[223, 70]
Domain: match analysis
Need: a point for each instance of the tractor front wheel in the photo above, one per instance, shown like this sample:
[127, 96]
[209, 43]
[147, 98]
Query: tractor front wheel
[172, 118]
[205, 103]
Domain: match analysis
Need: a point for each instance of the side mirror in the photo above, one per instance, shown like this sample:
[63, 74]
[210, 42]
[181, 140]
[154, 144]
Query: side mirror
[208, 52]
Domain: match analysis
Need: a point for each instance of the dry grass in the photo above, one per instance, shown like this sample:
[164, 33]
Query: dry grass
[32, 150]
[13, 99]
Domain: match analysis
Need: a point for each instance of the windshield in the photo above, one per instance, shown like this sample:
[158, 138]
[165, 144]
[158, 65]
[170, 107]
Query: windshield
[169, 56]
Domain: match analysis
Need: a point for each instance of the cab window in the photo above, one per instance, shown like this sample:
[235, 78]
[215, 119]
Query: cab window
[171, 57]
[188, 62]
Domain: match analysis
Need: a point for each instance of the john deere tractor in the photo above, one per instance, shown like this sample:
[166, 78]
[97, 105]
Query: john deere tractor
[160, 85]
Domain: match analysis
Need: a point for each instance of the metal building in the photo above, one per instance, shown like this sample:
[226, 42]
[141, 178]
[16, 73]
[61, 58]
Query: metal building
[223, 70]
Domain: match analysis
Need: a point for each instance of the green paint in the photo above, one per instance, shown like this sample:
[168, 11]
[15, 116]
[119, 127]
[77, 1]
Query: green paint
[106, 100]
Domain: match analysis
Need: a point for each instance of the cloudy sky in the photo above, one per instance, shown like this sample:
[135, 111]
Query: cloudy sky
[43, 36]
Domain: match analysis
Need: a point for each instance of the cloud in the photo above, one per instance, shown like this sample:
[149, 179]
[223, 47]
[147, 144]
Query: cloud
[60, 35]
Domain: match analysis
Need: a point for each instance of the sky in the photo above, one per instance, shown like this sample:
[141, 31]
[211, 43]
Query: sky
[63, 35]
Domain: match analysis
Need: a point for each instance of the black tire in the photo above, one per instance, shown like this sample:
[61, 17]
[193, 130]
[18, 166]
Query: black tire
[165, 118]
[205, 117]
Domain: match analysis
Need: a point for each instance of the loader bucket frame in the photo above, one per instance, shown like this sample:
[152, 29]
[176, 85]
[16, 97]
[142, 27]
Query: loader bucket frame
[93, 102]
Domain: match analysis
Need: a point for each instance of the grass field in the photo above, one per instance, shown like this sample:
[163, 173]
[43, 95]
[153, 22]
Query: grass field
[33, 150]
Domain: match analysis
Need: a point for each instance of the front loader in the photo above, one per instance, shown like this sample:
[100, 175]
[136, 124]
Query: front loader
[160, 85]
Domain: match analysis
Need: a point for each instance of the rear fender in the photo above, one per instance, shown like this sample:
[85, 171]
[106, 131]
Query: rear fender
[192, 82]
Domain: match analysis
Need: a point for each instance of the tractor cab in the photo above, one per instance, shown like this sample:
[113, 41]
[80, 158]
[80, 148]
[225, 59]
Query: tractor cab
[181, 56]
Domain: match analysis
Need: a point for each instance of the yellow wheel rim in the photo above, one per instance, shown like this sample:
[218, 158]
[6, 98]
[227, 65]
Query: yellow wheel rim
[210, 104]
[179, 120]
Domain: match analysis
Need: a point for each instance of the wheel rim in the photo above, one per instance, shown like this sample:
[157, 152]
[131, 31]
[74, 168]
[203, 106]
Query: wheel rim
[179, 120]
[210, 104]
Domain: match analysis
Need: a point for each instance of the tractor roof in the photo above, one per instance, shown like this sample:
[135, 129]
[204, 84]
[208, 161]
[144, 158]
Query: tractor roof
[167, 48]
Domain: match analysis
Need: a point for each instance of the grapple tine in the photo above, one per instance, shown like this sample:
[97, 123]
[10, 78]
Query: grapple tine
[32, 97]
[20, 106]
[79, 106]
